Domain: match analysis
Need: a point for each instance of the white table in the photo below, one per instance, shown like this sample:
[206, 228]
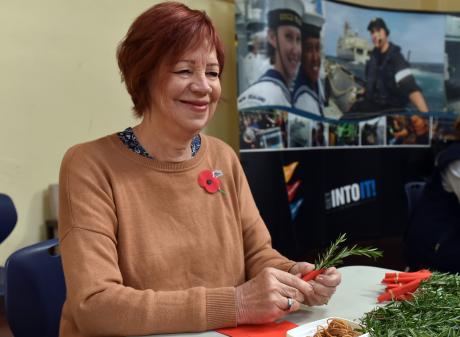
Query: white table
[356, 295]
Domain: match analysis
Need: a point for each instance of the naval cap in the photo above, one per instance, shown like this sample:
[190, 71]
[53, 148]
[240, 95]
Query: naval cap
[284, 12]
[312, 24]
[378, 23]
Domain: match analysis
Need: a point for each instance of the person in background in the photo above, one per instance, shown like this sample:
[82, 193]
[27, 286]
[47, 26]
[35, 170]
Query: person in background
[390, 84]
[434, 226]
[284, 49]
[158, 230]
[421, 129]
[317, 134]
[308, 92]
[255, 63]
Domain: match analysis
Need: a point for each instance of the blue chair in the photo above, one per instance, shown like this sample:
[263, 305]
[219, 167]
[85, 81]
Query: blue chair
[8, 216]
[34, 290]
[8, 219]
[414, 191]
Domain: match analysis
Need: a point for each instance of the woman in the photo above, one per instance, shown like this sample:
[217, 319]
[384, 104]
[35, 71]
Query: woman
[308, 93]
[158, 229]
[284, 21]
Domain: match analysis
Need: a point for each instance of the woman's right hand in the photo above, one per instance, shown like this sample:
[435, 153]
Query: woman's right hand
[264, 298]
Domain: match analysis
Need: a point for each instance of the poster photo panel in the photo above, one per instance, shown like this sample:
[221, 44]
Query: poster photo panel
[372, 132]
[269, 50]
[444, 124]
[337, 62]
[387, 52]
[263, 129]
[350, 134]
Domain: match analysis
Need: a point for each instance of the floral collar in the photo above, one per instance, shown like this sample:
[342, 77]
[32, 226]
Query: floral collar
[130, 140]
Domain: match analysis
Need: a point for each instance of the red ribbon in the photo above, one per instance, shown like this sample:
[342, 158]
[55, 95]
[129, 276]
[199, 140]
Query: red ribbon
[401, 286]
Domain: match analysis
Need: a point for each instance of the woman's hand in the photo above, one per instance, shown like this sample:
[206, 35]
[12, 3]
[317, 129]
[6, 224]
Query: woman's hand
[324, 285]
[264, 298]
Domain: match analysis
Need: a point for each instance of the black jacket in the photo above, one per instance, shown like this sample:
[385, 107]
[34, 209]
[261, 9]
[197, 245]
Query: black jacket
[433, 236]
[383, 88]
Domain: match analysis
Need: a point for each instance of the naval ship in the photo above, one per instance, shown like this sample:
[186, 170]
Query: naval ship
[352, 47]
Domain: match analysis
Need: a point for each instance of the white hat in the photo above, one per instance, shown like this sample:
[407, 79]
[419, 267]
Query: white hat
[313, 19]
[284, 12]
[293, 5]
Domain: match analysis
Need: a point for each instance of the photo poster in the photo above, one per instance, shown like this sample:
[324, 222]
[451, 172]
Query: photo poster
[299, 84]
[321, 154]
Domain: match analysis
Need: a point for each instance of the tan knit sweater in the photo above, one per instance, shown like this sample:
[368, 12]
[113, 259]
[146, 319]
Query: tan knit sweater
[146, 250]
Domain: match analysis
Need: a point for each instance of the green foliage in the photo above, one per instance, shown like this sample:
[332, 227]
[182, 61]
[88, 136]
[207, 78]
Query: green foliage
[334, 257]
[434, 311]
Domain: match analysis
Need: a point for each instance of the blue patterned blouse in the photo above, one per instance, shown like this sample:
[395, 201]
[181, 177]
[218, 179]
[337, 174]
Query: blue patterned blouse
[130, 140]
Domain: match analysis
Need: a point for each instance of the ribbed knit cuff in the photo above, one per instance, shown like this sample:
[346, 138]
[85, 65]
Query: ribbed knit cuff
[220, 308]
[286, 266]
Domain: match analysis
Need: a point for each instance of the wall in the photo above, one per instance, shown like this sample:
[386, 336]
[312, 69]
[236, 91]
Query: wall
[60, 85]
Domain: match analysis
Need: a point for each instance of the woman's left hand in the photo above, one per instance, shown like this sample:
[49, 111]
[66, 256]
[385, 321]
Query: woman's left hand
[324, 285]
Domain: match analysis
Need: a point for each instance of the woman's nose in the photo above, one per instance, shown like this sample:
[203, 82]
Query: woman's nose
[200, 84]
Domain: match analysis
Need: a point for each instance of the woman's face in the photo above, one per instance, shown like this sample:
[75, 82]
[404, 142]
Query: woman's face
[311, 58]
[191, 91]
[286, 41]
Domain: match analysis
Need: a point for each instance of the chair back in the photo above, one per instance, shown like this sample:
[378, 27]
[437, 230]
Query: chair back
[34, 290]
[8, 216]
[414, 191]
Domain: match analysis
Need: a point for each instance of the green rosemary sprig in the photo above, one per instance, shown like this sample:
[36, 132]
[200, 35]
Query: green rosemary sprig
[434, 311]
[333, 256]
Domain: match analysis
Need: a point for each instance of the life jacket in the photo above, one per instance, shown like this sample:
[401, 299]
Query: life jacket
[381, 87]
[433, 236]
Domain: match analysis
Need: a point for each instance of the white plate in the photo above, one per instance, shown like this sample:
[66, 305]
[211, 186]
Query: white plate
[310, 329]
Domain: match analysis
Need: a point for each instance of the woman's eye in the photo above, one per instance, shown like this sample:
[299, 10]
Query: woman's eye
[183, 72]
[212, 74]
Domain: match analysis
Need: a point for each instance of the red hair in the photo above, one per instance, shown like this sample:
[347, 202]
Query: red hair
[155, 41]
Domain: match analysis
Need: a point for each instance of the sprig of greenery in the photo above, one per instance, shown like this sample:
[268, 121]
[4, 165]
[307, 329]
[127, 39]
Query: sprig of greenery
[333, 256]
[434, 311]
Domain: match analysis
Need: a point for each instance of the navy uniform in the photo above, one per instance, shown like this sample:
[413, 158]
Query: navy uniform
[271, 89]
[307, 96]
[389, 79]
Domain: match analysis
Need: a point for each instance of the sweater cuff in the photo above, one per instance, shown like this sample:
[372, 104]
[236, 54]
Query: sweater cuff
[286, 266]
[220, 308]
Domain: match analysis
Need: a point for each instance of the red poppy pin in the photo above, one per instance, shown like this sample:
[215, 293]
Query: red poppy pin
[209, 180]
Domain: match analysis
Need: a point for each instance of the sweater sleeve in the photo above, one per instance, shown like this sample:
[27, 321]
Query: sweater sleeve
[98, 303]
[258, 251]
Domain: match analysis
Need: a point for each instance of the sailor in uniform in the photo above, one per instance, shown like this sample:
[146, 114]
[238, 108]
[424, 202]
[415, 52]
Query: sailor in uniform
[284, 50]
[389, 80]
[255, 63]
[308, 94]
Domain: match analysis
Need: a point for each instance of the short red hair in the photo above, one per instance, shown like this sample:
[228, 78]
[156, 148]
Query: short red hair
[155, 41]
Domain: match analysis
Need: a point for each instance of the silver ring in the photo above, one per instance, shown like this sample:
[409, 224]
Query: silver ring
[290, 303]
